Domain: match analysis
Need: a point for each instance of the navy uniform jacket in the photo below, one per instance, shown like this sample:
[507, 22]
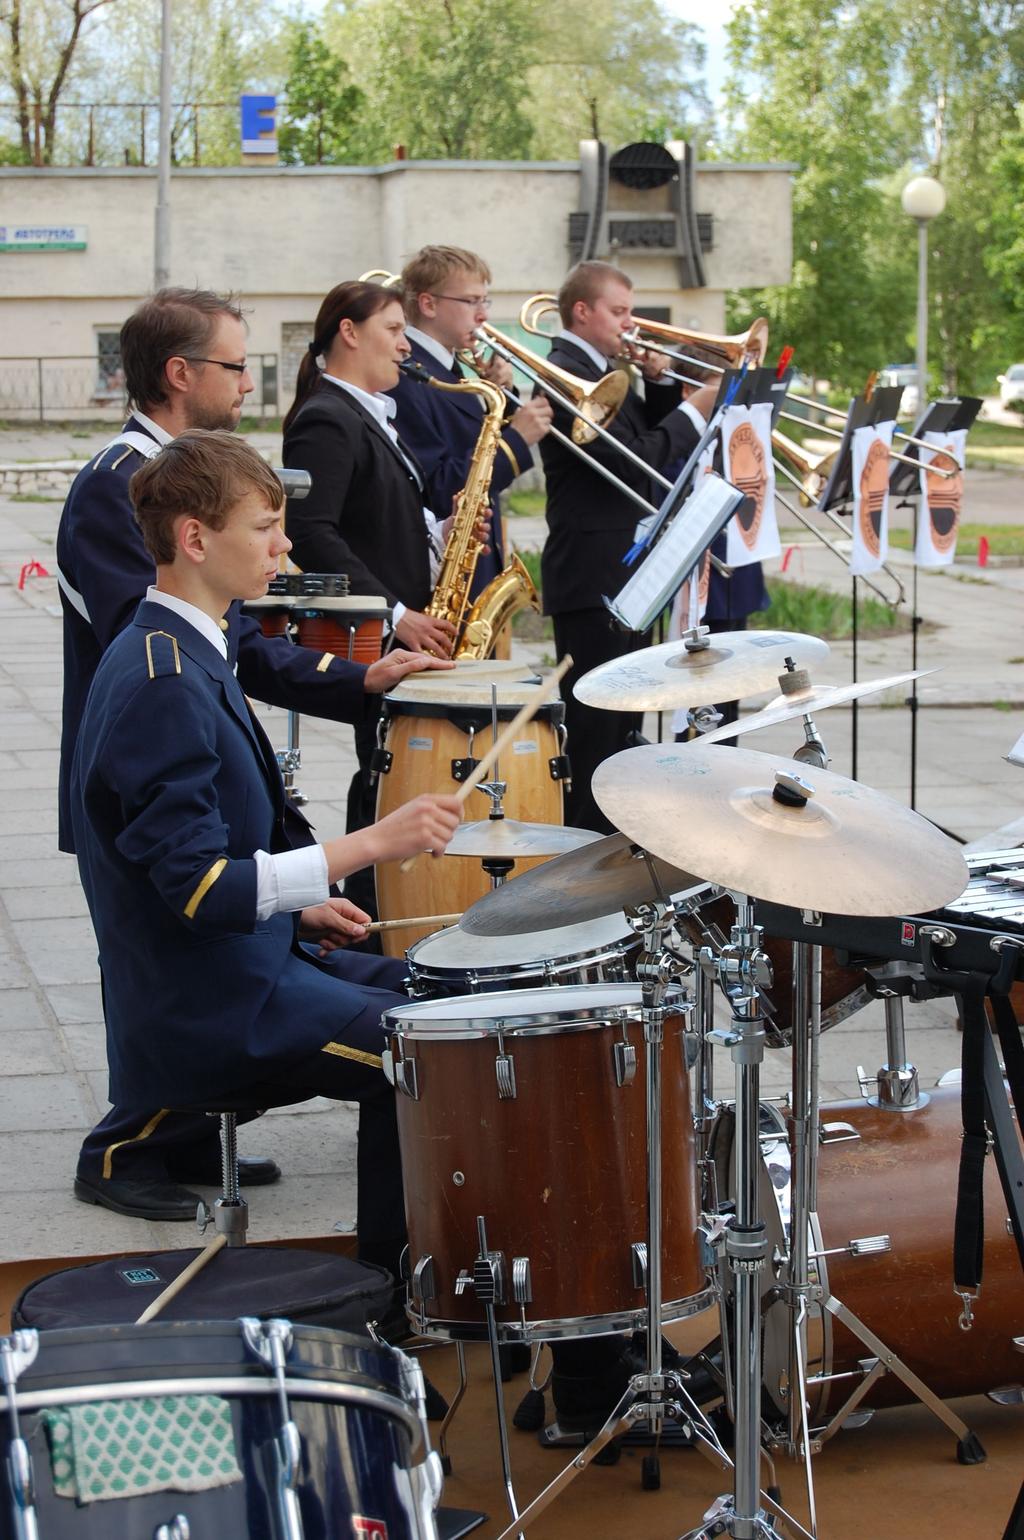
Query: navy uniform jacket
[173, 789]
[364, 512]
[442, 429]
[590, 522]
[101, 555]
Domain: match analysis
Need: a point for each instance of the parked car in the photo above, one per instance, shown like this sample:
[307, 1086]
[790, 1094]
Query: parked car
[1011, 385]
[905, 375]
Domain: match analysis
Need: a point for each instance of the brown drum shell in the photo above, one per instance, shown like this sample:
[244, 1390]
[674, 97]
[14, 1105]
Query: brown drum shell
[900, 1179]
[843, 990]
[272, 622]
[359, 638]
[558, 1172]
[449, 884]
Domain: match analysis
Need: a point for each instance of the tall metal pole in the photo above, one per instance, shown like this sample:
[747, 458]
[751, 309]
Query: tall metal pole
[162, 229]
[922, 313]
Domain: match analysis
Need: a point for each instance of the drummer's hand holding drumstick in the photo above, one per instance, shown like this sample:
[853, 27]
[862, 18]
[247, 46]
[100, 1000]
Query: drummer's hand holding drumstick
[426, 823]
[336, 923]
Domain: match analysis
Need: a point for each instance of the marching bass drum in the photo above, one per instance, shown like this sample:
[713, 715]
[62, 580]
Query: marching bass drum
[433, 728]
[893, 1173]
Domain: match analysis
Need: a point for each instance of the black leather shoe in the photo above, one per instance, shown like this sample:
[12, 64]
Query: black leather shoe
[253, 1171]
[140, 1200]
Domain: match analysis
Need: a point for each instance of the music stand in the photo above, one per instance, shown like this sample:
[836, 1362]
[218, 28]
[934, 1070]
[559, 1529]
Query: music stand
[837, 494]
[904, 482]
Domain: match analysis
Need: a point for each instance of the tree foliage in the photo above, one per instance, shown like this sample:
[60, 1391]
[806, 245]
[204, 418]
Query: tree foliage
[858, 97]
[40, 56]
[321, 118]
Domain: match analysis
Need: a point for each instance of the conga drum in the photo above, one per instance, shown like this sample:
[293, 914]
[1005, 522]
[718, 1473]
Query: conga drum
[346, 627]
[434, 728]
[272, 613]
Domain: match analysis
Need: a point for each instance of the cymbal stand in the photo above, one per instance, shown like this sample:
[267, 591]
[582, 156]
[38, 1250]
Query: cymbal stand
[290, 760]
[497, 868]
[743, 970]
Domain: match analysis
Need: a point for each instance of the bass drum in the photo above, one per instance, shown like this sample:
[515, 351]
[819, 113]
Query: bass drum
[181, 1421]
[895, 1174]
[433, 728]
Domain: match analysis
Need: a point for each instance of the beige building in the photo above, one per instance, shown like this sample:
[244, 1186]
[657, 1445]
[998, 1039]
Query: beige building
[280, 237]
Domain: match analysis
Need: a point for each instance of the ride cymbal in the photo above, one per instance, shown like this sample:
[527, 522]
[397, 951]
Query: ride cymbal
[776, 830]
[606, 876]
[506, 839]
[733, 664]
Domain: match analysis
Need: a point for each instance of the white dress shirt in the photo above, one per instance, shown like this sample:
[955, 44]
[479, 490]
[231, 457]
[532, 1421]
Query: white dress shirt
[289, 879]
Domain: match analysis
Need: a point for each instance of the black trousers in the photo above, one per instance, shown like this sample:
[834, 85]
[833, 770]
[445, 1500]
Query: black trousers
[592, 637]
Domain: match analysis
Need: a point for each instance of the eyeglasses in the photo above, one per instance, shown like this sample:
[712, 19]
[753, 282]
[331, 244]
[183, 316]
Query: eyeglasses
[477, 302]
[235, 368]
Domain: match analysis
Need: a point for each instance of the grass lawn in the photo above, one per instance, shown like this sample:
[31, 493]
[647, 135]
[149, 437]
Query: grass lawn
[1003, 539]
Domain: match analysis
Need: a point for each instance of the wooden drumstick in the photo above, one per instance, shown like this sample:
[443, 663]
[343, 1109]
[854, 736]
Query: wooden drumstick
[436, 920]
[176, 1285]
[501, 743]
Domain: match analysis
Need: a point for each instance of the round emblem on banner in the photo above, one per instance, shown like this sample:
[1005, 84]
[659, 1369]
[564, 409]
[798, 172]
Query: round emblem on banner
[747, 470]
[944, 498]
[874, 483]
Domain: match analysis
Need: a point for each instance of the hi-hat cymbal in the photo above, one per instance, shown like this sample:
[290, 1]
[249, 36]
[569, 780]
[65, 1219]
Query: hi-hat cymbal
[506, 839]
[735, 816]
[734, 664]
[586, 884]
[800, 702]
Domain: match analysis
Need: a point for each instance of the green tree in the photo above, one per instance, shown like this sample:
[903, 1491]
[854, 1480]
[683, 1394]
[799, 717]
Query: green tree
[444, 78]
[40, 57]
[1005, 228]
[321, 117]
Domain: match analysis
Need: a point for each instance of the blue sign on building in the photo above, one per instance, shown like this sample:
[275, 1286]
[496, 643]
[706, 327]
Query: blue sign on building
[259, 125]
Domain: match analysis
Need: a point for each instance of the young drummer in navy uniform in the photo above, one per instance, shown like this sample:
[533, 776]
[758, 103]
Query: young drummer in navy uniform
[446, 299]
[198, 891]
[590, 523]
[184, 355]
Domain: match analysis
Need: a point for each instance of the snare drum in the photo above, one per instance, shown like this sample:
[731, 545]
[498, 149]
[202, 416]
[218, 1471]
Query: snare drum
[433, 729]
[892, 1173]
[351, 628]
[529, 1107]
[272, 613]
[363, 1465]
[453, 962]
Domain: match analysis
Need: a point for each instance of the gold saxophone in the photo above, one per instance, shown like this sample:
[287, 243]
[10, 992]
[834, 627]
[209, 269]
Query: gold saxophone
[477, 627]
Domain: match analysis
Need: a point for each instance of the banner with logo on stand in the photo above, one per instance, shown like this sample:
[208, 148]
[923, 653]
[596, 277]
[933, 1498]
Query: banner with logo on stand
[870, 451]
[938, 520]
[753, 534]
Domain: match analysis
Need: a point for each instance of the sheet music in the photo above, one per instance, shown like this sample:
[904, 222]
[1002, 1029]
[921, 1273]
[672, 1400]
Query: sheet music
[669, 564]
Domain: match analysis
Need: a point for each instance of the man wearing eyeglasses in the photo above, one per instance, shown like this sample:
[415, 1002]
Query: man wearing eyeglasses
[184, 358]
[446, 299]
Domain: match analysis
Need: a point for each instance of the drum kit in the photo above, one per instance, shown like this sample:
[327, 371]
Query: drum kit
[559, 1182]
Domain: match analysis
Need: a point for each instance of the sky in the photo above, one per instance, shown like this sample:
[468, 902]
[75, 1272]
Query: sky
[710, 16]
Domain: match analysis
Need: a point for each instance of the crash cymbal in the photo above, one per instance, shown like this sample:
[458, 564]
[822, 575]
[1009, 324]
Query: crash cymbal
[506, 839]
[588, 884]
[733, 664]
[739, 819]
[798, 703]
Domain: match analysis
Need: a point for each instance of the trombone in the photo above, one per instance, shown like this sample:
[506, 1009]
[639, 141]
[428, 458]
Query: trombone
[749, 345]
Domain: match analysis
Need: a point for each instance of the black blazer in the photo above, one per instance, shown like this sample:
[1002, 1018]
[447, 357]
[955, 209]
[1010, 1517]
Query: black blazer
[590, 522]
[364, 513]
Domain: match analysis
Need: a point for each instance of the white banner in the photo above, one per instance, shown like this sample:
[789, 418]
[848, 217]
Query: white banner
[753, 534]
[870, 452]
[938, 519]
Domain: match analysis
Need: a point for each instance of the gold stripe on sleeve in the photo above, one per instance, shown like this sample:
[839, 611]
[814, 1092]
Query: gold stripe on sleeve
[339, 1051]
[325, 663]
[206, 883]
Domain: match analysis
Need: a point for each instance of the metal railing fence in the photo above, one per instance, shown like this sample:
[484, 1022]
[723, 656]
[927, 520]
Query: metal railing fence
[78, 386]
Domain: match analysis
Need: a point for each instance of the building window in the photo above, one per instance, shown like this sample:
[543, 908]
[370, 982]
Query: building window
[109, 373]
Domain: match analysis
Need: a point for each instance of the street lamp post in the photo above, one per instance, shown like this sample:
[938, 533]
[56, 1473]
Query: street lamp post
[162, 221]
[923, 199]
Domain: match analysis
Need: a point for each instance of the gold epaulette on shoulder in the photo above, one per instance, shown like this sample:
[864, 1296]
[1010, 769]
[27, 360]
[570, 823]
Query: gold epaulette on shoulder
[126, 450]
[162, 654]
